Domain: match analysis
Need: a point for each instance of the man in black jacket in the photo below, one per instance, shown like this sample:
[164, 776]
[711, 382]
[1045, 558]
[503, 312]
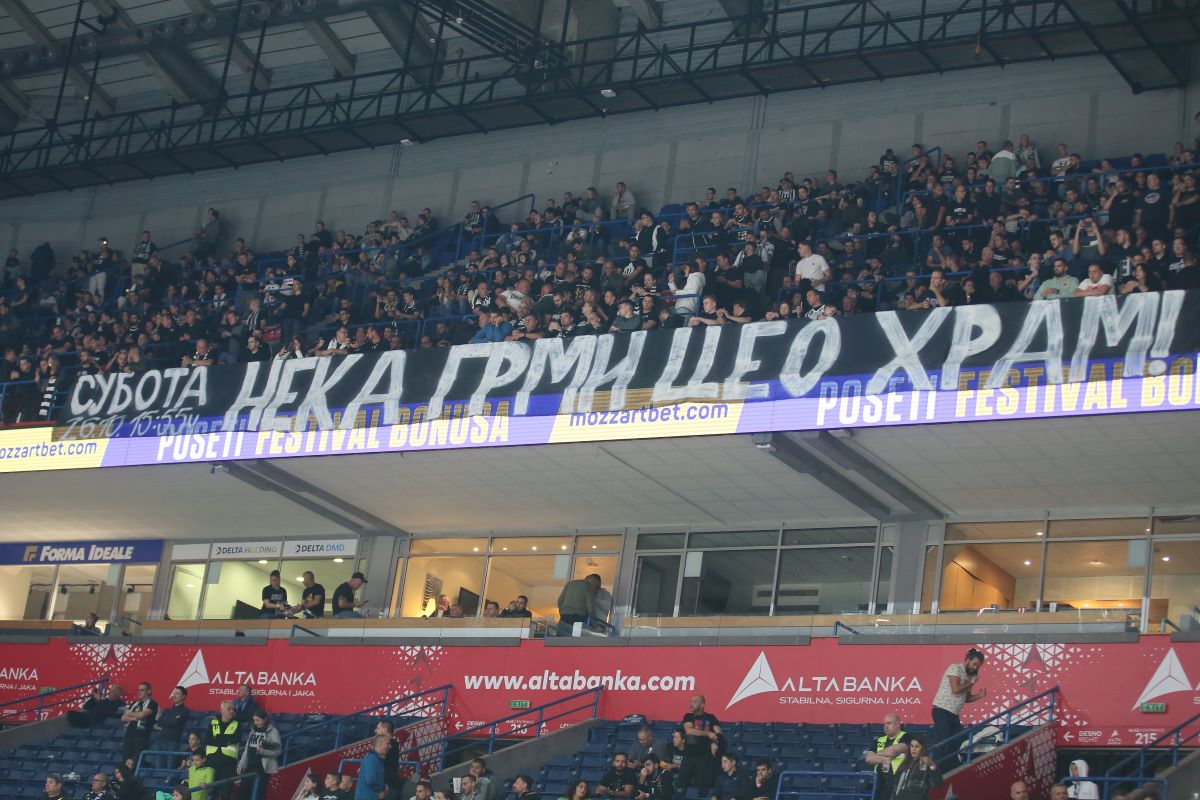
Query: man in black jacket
[96, 708]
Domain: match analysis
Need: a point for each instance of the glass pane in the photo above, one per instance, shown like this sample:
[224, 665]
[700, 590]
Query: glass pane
[883, 595]
[539, 578]
[976, 576]
[137, 587]
[393, 609]
[85, 588]
[734, 539]
[186, 583]
[235, 588]
[461, 544]
[830, 536]
[1103, 574]
[657, 577]
[1092, 528]
[1177, 526]
[968, 531]
[599, 544]
[735, 582]
[1175, 585]
[660, 541]
[929, 579]
[25, 592]
[531, 544]
[606, 568]
[459, 578]
[824, 580]
[328, 572]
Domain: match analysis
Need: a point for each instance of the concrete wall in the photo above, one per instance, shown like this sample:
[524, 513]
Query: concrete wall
[664, 156]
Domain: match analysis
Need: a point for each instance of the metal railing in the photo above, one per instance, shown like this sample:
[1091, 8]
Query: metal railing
[759, 43]
[470, 739]
[844, 785]
[1037, 710]
[39, 705]
[1155, 755]
[152, 754]
[401, 706]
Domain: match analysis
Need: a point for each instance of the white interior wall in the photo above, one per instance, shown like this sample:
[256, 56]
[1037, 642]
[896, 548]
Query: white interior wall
[666, 156]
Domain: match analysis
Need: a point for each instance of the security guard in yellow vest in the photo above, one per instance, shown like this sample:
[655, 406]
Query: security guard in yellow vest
[221, 738]
[891, 750]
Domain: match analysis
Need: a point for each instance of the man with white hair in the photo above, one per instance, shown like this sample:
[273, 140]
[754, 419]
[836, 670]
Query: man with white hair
[222, 735]
[891, 751]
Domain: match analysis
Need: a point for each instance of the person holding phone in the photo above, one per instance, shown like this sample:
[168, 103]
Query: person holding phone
[954, 691]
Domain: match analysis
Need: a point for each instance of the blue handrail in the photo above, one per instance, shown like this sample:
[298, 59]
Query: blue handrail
[823, 789]
[492, 728]
[1042, 715]
[137, 769]
[439, 704]
[1169, 744]
[1107, 784]
[40, 700]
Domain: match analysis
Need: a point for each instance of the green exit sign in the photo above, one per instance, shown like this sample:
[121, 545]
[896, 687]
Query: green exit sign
[1154, 708]
[47, 690]
[525, 704]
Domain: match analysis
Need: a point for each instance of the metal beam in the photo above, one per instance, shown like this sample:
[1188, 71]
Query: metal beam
[850, 459]
[14, 106]
[324, 37]
[648, 11]
[804, 462]
[751, 17]
[241, 54]
[275, 473]
[171, 65]
[410, 36]
[101, 100]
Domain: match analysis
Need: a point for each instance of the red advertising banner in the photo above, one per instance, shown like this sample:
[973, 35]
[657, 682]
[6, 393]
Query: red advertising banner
[1029, 759]
[417, 741]
[1103, 685]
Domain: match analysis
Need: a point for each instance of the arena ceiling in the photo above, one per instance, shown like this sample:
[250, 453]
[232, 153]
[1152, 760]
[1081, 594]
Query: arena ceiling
[102, 91]
[1121, 465]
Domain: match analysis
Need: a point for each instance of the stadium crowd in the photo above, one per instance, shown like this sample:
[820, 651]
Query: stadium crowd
[1004, 225]
[236, 751]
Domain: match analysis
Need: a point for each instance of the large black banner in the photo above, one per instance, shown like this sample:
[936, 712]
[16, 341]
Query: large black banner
[980, 347]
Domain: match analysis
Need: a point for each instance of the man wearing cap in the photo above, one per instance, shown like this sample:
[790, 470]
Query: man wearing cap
[345, 606]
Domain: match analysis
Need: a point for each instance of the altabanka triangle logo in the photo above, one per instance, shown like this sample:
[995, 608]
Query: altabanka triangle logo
[758, 680]
[1167, 679]
[196, 672]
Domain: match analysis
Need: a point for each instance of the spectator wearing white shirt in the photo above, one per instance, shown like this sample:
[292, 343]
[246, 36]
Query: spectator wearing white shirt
[1096, 284]
[812, 267]
[692, 287]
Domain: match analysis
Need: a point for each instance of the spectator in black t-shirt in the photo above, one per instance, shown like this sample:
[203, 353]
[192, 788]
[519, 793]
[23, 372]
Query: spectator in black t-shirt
[172, 722]
[618, 781]
[139, 722]
[274, 598]
[765, 783]
[703, 732]
[96, 708]
[654, 783]
[312, 599]
[522, 789]
[344, 604]
[330, 791]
